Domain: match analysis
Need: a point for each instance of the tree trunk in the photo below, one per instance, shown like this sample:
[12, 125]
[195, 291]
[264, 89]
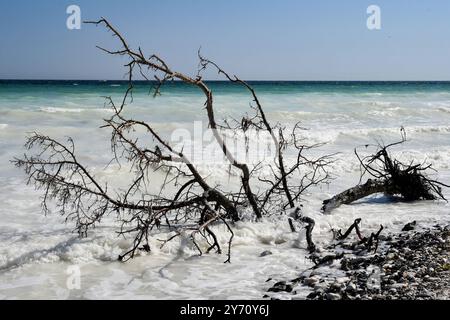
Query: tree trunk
[355, 193]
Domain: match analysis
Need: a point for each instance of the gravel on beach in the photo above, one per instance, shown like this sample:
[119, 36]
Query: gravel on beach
[411, 265]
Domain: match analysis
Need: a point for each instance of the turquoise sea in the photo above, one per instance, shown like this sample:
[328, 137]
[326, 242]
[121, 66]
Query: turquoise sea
[344, 114]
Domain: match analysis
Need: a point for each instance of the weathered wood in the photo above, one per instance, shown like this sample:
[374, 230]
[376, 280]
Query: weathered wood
[310, 223]
[355, 226]
[355, 193]
[392, 177]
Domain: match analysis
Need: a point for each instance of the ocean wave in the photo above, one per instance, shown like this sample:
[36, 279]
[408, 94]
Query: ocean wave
[308, 115]
[439, 158]
[406, 110]
[388, 112]
[444, 109]
[321, 136]
[394, 130]
[55, 110]
[71, 110]
[366, 103]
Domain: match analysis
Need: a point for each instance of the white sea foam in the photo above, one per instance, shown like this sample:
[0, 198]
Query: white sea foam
[72, 110]
[331, 135]
[55, 110]
[444, 109]
[35, 251]
[176, 271]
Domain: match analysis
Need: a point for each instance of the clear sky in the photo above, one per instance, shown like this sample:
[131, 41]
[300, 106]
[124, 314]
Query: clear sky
[256, 39]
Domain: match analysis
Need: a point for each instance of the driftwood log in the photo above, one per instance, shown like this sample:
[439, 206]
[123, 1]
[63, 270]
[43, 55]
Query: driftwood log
[309, 227]
[391, 177]
[353, 194]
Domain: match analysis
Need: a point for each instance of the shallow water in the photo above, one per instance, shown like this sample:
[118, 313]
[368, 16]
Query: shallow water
[36, 250]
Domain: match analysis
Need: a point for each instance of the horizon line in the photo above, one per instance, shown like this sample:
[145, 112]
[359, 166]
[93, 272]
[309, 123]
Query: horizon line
[217, 80]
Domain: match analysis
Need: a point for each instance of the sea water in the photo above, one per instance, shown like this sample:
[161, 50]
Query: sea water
[38, 253]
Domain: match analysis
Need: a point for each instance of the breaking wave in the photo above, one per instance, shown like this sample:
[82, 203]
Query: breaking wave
[72, 110]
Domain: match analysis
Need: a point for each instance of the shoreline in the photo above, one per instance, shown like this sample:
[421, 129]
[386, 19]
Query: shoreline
[413, 264]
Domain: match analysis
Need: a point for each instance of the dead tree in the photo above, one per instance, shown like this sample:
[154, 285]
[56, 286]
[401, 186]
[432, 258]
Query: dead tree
[281, 191]
[280, 184]
[391, 177]
[196, 205]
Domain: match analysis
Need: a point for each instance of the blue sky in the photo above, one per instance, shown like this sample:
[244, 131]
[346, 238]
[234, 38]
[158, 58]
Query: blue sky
[257, 40]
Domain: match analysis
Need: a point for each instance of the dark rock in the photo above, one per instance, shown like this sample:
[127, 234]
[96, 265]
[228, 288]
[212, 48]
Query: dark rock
[311, 282]
[265, 253]
[333, 296]
[281, 287]
[410, 226]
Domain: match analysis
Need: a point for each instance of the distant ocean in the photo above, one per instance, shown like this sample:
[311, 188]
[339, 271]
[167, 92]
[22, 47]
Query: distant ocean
[36, 250]
[344, 114]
